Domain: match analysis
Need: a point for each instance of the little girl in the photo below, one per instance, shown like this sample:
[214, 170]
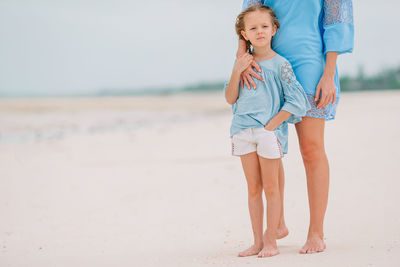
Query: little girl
[259, 129]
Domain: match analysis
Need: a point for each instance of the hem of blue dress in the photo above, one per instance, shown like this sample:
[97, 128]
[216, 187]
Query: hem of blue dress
[330, 118]
[328, 112]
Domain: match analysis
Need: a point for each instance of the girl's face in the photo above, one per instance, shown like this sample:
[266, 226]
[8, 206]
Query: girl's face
[258, 28]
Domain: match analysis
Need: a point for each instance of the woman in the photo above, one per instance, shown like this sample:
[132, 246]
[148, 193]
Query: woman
[313, 34]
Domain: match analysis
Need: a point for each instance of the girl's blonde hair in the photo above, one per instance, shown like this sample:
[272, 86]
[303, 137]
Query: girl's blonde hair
[239, 25]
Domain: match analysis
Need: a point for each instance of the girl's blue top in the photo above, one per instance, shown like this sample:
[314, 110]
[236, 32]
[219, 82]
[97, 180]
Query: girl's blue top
[309, 29]
[279, 91]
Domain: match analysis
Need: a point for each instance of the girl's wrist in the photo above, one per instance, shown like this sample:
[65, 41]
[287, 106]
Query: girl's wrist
[269, 126]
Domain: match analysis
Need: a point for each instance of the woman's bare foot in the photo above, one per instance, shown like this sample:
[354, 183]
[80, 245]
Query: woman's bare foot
[270, 249]
[315, 243]
[251, 251]
[282, 232]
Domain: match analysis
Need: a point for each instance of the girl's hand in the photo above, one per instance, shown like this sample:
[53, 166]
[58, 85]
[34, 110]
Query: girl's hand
[246, 75]
[326, 91]
[243, 62]
[269, 128]
[277, 120]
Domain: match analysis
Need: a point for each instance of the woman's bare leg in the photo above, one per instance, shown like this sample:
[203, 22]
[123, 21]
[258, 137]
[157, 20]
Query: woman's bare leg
[270, 180]
[283, 231]
[310, 132]
[251, 168]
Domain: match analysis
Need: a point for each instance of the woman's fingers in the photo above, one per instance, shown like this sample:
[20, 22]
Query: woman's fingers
[325, 92]
[243, 76]
[317, 93]
[246, 81]
[249, 73]
[334, 97]
[322, 100]
[256, 75]
[330, 98]
[327, 100]
[250, 79]
[255, 65]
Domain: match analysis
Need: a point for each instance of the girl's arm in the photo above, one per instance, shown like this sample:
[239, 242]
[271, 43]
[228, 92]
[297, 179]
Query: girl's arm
[326, 90]
[277, 120]
[232, 89]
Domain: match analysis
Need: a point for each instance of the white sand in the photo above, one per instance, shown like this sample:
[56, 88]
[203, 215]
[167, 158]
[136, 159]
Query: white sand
[149, 181]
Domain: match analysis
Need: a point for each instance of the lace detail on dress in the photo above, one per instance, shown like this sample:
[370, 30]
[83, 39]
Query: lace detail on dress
[338, 11]
[328, 112]
[248, 3]
[287, 74]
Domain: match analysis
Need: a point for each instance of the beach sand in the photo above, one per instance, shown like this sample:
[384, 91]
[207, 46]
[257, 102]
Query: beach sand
[149, 181]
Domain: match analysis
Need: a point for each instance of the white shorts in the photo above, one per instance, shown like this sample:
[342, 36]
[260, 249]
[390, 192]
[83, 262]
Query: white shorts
[257, 139]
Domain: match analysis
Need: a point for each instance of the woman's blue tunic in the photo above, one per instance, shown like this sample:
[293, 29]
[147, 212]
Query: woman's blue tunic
[309, 29]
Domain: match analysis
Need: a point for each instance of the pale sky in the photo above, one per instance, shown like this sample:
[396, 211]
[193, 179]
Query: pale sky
[70, 46]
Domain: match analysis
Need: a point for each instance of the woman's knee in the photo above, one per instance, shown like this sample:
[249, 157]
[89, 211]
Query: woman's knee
[312, 150]
[311, 138]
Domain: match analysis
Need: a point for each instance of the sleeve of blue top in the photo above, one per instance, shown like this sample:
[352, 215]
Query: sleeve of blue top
[338, 27]
[225, 85]
[295, 99]
[248, 3]
[234, 105]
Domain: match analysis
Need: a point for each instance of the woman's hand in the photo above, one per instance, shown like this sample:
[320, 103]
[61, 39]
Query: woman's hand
[246, 78]
[243, 62]
[326, 91]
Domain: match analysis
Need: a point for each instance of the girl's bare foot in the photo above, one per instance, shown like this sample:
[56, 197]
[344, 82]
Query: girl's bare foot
[270, 249]
[251, 251]
[282, 232]
[314, 244]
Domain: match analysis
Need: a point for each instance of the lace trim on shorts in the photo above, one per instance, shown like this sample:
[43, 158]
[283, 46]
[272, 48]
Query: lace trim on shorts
[280, 148]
